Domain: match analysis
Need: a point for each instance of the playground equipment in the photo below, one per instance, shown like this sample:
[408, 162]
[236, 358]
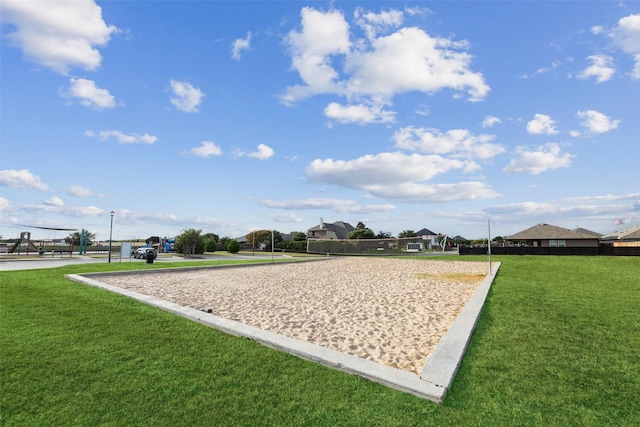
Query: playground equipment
[25, 237]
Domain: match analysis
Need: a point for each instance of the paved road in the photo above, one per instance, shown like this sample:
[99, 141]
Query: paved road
[38, 262]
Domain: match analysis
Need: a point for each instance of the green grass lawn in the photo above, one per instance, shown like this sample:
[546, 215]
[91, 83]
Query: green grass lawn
[558, 343]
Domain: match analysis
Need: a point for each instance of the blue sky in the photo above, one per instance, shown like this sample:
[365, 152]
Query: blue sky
[236, 116]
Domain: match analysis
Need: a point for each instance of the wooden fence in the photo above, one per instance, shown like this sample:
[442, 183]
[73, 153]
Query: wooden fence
[531, 250]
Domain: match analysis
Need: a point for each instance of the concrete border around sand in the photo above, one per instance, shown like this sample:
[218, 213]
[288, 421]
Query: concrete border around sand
[432, 384]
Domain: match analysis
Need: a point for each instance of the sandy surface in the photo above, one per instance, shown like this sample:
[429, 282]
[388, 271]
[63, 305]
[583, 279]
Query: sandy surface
[391, 311]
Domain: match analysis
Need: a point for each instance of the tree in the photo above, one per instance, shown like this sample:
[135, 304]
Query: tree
[407, 233]
[74, 238]
[384, 235]
[232, 246]
[263, 237]
[189, 242]
[210, 241]
[361, 232]
[298, 236]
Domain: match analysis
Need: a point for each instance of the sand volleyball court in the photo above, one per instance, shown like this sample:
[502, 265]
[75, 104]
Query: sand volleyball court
[390, 311]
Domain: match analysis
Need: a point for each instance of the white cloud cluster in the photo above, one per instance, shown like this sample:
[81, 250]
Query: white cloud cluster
[90, 95]
[336, 205]
[262, 152]
[541, 124]
[626, 36]
[80, 191]
[240, 45]
[544, 158]
[185, 97]
[490, 121]
[361, 114]
[601, 68]
[5, 206]
[21, 179]
[458, 143]
[375, 68]
[54, 201]
[207, 149]
[596, 122]
[399, 176]
[58, 34]
[121, 137]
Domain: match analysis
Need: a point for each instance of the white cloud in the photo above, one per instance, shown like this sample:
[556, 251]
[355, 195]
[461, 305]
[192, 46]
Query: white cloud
[285, 217]
[263, 152]
[361, 114]
[122, 138]
[240, 45]
[206, 149]
[411, 60]
[626, 36]
[54, 201]
[5, 206]
[74, 211]
[490, 121]
[376, 68]
[322, 35]
[90, 95]
[597, 122]
[58, 34]
[541, 124]
[336, 205]
[80, 191]
[546, 157]
[380, 169]
[456, 142]
[185, 97]
[542, 70]
[398, 176]
[21, 178]
[304, 204]
[372, 23]
[601, 68]
[435, 193]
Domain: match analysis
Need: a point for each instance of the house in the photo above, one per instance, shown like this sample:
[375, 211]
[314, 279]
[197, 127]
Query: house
[550, 236]
[628, 237]
[430, 238]
[330, 231]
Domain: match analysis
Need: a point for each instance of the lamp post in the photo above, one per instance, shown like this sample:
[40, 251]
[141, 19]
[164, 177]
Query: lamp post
[110, 234]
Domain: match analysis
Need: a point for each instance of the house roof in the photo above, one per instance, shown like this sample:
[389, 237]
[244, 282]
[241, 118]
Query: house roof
[551, 232]
[425, 232]
[340, 228]
[631, 233]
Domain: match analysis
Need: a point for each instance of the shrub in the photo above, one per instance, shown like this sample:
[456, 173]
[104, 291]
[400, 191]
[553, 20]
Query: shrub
[232, 246]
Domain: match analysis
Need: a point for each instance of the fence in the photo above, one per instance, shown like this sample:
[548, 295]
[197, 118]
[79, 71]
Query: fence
[394, 246]
[531, 250]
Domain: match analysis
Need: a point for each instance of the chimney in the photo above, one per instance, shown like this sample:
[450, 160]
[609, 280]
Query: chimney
[321, 224]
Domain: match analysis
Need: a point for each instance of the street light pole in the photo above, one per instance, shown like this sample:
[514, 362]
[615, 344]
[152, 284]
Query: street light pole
[110, 234]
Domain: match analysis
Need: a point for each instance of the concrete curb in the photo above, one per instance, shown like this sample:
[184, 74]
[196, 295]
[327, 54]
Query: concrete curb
[433, 383]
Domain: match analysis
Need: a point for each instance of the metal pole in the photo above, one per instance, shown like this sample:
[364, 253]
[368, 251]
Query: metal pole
[271, 245]
[110, 234]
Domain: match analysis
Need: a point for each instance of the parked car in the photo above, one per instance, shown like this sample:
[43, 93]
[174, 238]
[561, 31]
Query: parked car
[141, 253]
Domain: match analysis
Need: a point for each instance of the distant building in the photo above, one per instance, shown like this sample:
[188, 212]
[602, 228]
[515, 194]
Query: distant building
[429, 238]
[545, 235]
[330, 231]
[628, 237]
